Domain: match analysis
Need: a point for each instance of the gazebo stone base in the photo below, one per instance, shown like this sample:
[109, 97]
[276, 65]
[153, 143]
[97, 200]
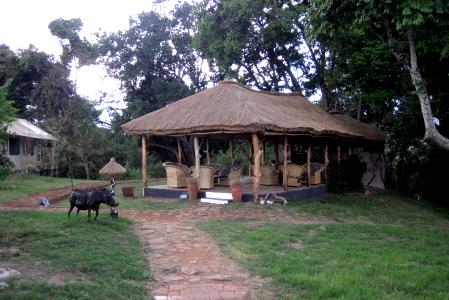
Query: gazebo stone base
[293, 194]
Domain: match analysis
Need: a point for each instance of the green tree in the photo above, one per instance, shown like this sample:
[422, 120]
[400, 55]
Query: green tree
[410, 29]
[156, 64]
[73, 46]
[7, 114]
[253, 39]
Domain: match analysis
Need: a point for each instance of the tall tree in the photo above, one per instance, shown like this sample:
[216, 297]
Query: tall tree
[252, 39]
[7, 114]
[73, 46]
[410, 29]
[155, 62]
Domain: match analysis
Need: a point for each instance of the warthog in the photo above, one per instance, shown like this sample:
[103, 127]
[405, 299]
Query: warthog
[91, 200]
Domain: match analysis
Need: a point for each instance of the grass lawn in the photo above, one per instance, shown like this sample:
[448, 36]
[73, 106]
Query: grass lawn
[139, 202]
[62, 258]
[374, 247]
[21, 185]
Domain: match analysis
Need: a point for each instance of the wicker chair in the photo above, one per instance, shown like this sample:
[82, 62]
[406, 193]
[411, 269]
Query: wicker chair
[226, 174]
[316, 171]
[206, 176]
[176, 174]
[295, 174]
[269, 175]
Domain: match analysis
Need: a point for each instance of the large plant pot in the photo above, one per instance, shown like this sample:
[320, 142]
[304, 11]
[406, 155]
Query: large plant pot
[237, 194]
[192, 188]
[128, 191]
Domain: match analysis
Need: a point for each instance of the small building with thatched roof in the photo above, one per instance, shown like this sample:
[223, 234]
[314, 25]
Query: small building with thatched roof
[236, 111]
[112, 168]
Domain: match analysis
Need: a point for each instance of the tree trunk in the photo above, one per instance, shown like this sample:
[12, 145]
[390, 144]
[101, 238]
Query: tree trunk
[432, 134]
[326, 160]
[231, 151]
[179, 151]
[196, 144]
[144, 162]
[257, 158]
[276, 151]
[309, 157]
[86, 169]
[207, 151]
[189, 155]
[284, 168]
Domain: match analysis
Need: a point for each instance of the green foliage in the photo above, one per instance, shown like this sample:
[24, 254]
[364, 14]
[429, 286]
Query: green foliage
[7, 114]
[241, 36]
[223, 157]
[6, 167]
[67, 31]
[346, 175]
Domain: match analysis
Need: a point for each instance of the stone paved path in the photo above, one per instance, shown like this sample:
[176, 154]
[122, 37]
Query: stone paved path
[187, 264]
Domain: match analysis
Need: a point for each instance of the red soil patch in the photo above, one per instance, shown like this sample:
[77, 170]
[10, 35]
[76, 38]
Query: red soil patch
[54, 195]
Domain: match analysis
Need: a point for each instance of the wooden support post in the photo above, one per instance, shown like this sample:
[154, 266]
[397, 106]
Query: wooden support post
[231, 149]
[207, 151]
[326, 160]
[196, 146]
[309, 157]
[284, 171]
[257, 158]
[144, 163]
[350, 150]
[276, 151]
[179, 151]
[264, 149]
[338, 153]
[251, 157]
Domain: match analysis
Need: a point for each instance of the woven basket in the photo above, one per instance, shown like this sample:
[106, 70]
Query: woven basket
[269, 175]
[295, 174]
[206, 177]
[176, 175]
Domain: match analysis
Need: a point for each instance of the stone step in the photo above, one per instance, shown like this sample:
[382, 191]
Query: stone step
[215, 201]
[217, 195]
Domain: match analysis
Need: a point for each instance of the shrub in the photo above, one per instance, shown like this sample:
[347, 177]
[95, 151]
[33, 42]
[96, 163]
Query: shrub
[6, 167]
[346, 175]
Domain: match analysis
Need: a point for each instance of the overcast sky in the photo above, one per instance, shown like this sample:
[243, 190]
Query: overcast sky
[25, 22]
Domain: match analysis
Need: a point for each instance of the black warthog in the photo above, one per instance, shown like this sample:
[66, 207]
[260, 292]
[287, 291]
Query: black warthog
[91, 200]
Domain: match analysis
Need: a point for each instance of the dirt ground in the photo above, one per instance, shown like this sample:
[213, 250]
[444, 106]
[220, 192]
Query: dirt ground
[54, 195]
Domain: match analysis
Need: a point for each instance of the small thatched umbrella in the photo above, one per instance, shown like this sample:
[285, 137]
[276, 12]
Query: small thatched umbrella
[112, 168]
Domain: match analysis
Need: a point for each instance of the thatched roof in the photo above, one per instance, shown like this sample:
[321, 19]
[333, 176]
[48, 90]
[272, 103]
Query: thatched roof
[363, 129]
[231, 107]
[112, 168]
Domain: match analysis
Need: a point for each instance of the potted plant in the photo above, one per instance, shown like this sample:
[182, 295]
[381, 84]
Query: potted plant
[192, 188]
[236, 190]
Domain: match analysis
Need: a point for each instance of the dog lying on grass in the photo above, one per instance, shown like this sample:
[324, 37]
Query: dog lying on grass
[91, 200]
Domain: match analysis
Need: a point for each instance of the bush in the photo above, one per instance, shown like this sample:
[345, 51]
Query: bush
[6, 167]
[346, 175]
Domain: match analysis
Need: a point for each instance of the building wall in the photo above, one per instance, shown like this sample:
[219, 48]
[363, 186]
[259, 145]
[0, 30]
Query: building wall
[375, 169]
[29, 152]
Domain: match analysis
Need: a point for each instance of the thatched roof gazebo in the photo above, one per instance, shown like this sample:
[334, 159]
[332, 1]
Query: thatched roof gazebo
[112, 168]
[236, 110]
